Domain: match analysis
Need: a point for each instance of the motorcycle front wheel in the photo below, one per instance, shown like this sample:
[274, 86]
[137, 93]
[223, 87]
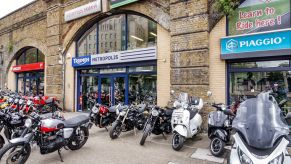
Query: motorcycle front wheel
[79, 140]
[217, 146]
[115, 130]
[177, 141]
[17, 153]
[145, 134]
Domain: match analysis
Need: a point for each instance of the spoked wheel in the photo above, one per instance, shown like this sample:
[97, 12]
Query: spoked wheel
[145, 134]
[217, 146]
[115, 130]
[15, 153]
[80, 138]
[177, 141]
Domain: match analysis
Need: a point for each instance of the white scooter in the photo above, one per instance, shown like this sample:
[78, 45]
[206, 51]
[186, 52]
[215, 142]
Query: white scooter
[186, 120]
[261, 133]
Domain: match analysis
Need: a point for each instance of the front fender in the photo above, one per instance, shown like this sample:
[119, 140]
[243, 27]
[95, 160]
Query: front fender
[24, 139]
[182, 130]
[219, 133]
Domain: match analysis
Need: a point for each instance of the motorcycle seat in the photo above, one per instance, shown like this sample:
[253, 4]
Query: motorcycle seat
[168, 112]
[193, 113]
[76, 121]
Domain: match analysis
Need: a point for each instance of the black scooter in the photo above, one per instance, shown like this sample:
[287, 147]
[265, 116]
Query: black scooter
[219, 128]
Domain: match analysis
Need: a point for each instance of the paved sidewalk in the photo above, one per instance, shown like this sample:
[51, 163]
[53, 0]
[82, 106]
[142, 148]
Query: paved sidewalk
[100, 149]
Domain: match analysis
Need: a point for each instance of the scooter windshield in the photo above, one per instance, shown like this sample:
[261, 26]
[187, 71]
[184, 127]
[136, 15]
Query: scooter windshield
[183, 97]
[260, 122]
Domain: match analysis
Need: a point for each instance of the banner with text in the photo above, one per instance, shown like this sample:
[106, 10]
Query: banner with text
[118, 3]
[259, 15]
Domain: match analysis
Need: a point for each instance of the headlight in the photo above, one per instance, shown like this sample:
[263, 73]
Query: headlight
[185, 106]
[244, 159]
[95, 109]
[122, 113]
[155, 113]
[277, 160]
[28, 123]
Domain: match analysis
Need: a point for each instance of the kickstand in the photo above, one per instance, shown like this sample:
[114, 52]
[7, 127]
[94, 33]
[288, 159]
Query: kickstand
[134, 129]
[164, 136]
[106, 128]
[60, 155]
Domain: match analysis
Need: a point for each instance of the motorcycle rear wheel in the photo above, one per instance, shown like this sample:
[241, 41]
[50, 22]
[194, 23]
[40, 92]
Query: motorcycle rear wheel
[115, 130]
[145, 134]
[177, 141]
[79, 140]
[12, 154]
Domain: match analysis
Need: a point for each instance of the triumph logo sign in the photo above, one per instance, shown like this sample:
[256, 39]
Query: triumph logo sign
[81, 61]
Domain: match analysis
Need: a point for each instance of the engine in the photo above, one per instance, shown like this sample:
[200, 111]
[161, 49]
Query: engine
[52, 141]
[52, 135]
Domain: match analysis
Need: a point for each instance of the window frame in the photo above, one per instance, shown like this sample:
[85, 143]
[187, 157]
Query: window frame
[24, 54]
[87, 31]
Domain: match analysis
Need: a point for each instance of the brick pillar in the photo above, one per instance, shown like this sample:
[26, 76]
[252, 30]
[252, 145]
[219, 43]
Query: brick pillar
[53, 69]
[190, 47]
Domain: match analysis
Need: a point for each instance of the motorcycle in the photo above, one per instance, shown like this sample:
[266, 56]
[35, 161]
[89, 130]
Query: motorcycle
[260, 133]
[158, 122]
[219, 128]
[186, 120]
[129, 118]
[103, 116]
[49, 134]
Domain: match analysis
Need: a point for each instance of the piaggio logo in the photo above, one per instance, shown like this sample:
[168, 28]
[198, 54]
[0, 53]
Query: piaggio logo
[231, 45]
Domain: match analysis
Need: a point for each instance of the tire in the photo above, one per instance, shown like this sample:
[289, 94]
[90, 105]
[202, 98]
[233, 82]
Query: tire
[177, 141]
[2, 141]
[115, 131]
[145, 134]
[11, 150]
[217, 146]
[75, 143]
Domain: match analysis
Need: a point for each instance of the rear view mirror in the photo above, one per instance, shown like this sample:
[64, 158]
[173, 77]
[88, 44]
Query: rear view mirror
[209, 93]
[172, 92]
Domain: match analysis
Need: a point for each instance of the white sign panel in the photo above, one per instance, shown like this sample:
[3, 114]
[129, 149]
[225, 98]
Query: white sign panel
[124, 56]
[82, 11]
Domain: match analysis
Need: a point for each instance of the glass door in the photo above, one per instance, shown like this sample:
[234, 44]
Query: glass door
[119, 89]
[106, 91]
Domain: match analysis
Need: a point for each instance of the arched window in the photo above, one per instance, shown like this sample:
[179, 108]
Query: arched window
[30, 55]
[130, 32]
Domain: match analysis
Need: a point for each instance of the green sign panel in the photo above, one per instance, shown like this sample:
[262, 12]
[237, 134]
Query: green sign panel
[259, 15]
[118, 3]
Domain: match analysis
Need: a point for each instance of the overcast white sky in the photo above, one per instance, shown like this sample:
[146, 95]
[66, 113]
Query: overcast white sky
[8, 6]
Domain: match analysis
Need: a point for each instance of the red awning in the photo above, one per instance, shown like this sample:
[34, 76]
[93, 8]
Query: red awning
[28, 67]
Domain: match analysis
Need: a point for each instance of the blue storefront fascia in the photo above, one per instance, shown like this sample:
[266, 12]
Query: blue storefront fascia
[274, 43]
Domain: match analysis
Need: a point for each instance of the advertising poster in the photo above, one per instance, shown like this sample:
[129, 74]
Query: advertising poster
[259, 15]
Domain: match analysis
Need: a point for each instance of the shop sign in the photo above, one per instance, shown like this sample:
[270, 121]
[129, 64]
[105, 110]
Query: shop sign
[259, 15]
[81, 61]
[238, 46]
[90, 8]
[142, 54]
[118, 3]
[28, 67]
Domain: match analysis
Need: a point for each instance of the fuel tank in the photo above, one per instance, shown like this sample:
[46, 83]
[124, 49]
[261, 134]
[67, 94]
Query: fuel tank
[50, 125]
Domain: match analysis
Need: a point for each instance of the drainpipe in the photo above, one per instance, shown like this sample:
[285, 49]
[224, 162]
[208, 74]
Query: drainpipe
[63, 62]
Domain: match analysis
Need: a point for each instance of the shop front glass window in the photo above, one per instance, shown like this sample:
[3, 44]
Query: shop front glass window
[89, 92]
[142, 32]
[261, 64]
[118, 22]
[87, 44]
[250, 84]
[31, 56]
[142, 88]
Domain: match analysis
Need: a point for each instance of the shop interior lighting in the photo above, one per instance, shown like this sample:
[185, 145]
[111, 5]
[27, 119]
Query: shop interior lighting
[153, 34]
[137, 38]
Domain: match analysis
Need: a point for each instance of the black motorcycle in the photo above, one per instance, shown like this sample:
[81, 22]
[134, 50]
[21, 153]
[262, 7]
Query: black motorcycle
[219, 128]
[50, 135]
[128, 119]
[11, 124]
[158, 122]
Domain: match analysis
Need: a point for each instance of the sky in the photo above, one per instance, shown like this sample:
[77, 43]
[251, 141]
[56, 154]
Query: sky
[8, 6]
